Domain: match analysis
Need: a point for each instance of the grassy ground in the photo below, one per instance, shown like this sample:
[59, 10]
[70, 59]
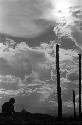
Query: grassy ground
[36, 119]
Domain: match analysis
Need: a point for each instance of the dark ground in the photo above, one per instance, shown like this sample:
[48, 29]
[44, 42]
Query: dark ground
[37, 119]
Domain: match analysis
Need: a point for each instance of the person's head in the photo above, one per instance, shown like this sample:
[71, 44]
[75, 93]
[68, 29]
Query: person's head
[12, 100]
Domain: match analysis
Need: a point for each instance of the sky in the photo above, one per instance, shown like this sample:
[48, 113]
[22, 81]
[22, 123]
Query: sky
[28, 73]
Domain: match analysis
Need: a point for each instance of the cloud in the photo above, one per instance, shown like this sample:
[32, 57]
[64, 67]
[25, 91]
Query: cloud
[19, 18]
[70, 26]
[65, 54]
[21, 61]
[77, 35]
[77, 13]
[10, 93]
[11, 82]
[73, 76]
[68, 104]
[76, 32]
[13, 68]
[67, 43]
[67, 87]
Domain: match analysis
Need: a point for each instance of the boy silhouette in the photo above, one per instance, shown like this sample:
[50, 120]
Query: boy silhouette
[8, 107]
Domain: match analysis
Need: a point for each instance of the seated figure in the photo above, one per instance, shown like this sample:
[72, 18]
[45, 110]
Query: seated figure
[8, 107]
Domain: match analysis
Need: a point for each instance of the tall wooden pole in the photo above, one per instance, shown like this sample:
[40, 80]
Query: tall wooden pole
[74, 104]
[58, 84]
[79, 85]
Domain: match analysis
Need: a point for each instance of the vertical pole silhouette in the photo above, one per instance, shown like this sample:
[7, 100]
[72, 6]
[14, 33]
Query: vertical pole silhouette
[74, 104]
[58, 84]
[79, 85]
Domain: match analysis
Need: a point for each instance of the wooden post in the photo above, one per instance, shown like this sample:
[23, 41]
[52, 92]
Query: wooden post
[58, 84]
[74, 104]
[79, 85]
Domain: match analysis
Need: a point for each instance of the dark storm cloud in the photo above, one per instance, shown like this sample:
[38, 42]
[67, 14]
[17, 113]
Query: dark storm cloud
[73, 76]
[22, 18]
[67, 43]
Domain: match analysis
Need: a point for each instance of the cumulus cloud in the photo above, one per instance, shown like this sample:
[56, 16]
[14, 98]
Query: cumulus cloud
[22, 60]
